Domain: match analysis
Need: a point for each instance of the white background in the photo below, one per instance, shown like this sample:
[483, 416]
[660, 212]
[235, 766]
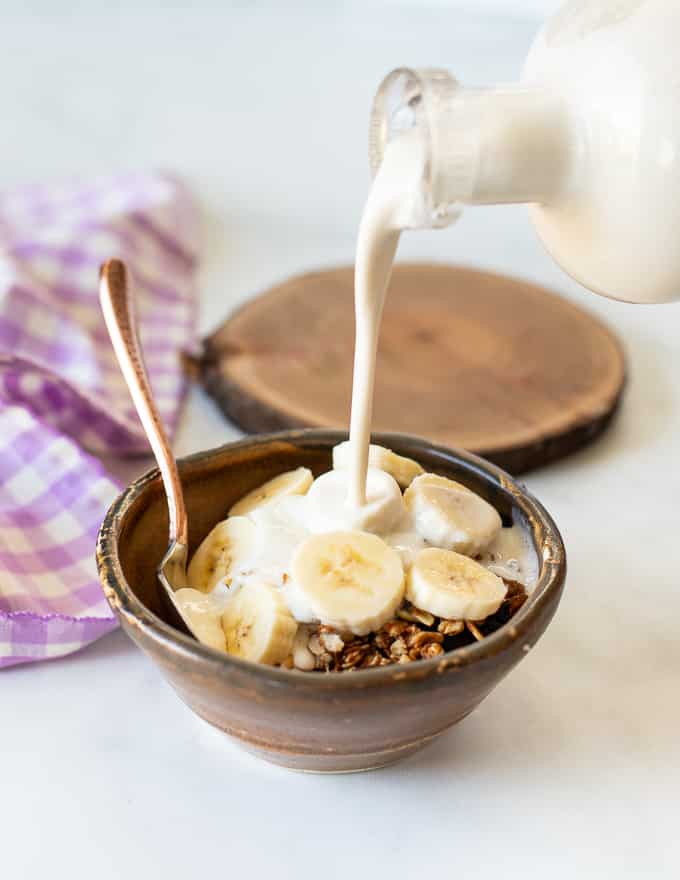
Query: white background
[571, 768]
[538, 8]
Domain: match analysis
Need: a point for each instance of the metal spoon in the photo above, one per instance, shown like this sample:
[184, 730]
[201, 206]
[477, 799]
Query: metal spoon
[121, 322]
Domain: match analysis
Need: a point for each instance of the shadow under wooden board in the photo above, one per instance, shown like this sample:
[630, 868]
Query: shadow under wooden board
[494, 364]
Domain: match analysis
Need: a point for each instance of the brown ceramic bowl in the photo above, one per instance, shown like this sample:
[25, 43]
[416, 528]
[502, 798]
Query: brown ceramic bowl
[314, 721]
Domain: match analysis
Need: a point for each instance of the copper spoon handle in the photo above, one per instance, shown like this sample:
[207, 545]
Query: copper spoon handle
[121, 321]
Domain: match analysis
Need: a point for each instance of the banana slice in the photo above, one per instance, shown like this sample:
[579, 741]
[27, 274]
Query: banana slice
[328, 511]
[349, 580]
[404, 470]
[203, 615]
[449, 515]
[220, 553]
[291, 483]
[453, 586]
[258, 626]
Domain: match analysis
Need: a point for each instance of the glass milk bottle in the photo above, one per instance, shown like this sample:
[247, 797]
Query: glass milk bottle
[589, 138]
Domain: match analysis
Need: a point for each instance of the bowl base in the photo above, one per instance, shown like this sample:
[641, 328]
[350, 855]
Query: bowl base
[332, 762]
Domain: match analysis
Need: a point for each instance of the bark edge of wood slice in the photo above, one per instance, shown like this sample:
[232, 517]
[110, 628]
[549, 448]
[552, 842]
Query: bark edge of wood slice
[497, 365]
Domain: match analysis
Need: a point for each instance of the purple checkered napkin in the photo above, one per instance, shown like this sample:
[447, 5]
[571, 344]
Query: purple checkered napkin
[62, 398]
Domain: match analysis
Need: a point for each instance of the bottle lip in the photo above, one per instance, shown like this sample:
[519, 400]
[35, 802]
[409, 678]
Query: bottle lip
[396, 94]
[419, 98]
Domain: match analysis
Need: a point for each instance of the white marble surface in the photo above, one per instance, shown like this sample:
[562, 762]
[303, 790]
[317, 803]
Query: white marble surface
[572, 767]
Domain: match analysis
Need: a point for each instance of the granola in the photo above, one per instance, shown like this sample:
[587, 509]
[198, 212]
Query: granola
[412, 635]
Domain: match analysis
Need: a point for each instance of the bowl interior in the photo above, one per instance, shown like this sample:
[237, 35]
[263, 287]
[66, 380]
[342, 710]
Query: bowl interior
[214, 480]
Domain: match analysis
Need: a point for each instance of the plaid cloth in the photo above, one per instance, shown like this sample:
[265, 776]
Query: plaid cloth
[62, 398]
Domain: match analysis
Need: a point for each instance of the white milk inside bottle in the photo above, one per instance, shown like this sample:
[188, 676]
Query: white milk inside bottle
[589, 138]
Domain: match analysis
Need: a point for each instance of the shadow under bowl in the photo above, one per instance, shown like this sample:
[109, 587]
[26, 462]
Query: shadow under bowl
[335, 722]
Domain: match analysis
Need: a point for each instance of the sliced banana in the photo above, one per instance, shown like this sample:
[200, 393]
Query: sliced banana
[447, 514]
[203, 615]
[295, 482]
[329, 511]
[220, 553]
[348, 580]
[404, 470]
[258, 626]
[453, 586]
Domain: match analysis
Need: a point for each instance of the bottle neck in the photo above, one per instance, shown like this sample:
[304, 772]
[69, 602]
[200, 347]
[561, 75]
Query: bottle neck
[482, 146]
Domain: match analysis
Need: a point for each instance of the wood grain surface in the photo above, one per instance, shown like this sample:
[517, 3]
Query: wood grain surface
[467, 358]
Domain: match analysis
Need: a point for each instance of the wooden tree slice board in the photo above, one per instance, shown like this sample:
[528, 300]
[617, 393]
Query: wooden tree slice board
[466, 358]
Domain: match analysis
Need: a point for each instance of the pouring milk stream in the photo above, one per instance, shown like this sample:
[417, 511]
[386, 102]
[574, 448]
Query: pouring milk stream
[590, 139]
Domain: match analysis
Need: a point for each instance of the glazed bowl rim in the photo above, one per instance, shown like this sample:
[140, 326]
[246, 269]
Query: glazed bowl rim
[130, 609]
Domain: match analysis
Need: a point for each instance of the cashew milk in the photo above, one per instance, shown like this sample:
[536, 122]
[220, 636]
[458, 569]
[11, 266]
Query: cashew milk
[396, 187]
[397, 182]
